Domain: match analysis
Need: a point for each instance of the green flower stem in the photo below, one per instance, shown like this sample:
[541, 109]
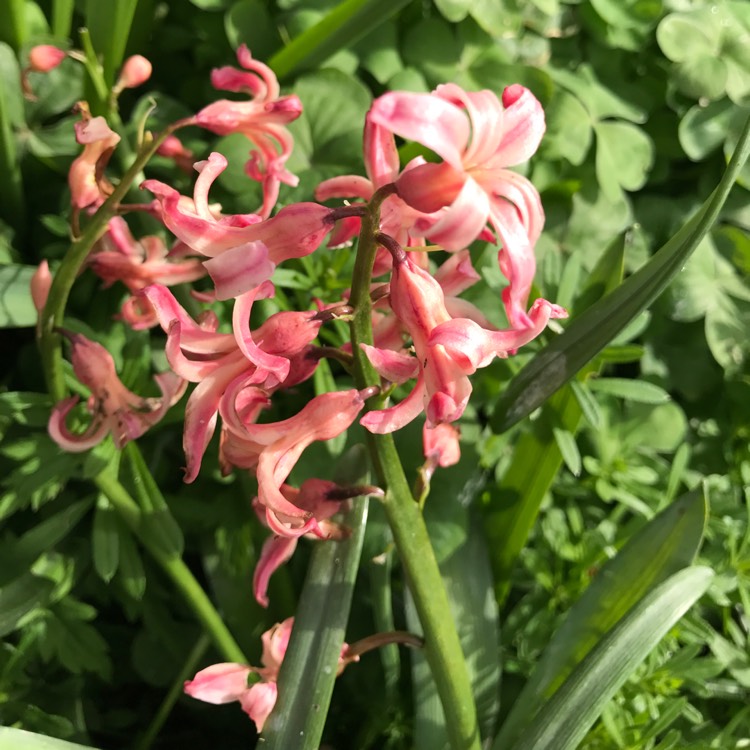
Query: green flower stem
[175, 568]
[54, 311]
[442, 646]
[175, 691]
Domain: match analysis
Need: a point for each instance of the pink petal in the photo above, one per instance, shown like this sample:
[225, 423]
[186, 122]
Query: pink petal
[393, 366]
[441, 444]
[276, 551]
[381, 154]
[523, 127]
[258, 702]
[426, 119]
[346, 186]
[461, 223]
[68, 441]
[219, 683]
[239, 269]
[395, 417]
[430, 187]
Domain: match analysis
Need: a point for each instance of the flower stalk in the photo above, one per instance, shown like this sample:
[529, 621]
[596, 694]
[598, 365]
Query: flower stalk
[442, 645]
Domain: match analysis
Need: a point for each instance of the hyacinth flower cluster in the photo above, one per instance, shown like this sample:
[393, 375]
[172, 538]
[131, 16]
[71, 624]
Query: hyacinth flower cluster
[410, 327]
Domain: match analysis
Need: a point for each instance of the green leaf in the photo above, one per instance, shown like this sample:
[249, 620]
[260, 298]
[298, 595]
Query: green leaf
[590, 332]
[566, 443]
[158, 526]
[569, 128]
[105, 541]
[309, 668]
[249, 22]
[20, 739]
[630, 390]
[624, 154]
[342, 27]
[666, 544]
[20, 597]
[16, 308]
[566, 718]
[110, 24]
[454, 10]
[704, 128]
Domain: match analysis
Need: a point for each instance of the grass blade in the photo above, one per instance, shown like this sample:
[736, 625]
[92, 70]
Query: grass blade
[342, 27]
[665, 545]
[566, 718]
[309, 669]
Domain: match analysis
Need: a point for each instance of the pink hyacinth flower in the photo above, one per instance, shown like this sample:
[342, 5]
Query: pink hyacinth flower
[113, 407]
[88, 186]
[225, 683]
[273, 450]
[244, 250]
[442, 389]
[397, 218]
[231, 368]
[478, 138]
[261, 120]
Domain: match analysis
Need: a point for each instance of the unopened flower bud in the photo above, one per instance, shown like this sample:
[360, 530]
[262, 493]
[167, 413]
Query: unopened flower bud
[135, 72]
[45, 57]
[40, 284]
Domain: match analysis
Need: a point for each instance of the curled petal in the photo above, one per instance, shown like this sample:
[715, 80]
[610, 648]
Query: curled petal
[239, 269]
[381, 154]
[523, 126]
[395, 417]
[68, 441]
[276, 551]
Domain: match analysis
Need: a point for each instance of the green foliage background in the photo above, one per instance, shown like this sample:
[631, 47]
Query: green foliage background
[644, 102]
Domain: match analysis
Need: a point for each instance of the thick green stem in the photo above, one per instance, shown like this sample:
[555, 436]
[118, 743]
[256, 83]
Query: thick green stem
[442, 646]
[54, 311]
[175, 568]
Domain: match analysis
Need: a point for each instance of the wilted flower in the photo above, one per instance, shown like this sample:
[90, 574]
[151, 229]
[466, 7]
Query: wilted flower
[114, 409]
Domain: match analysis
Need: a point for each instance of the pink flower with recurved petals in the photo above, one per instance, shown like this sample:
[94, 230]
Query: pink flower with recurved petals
[478, 138]
[262, 120]
[234, 371]
[273, 450]
[114, 409]
[253, 687]
[243, 249]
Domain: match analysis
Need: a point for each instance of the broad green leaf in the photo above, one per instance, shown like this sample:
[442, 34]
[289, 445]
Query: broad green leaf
[454, 10]
[20, 739]
[704, 128]
[624, 154]
[309, 668]
[499, 18]
[30, 409]
[569, 131]
[249, 22]
[630, 390]
[590, 332]
[564, 720]
[16, 308]
[339, 29]
[666, 544]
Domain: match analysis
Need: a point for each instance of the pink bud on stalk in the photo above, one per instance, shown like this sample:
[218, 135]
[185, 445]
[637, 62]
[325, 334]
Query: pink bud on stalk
[45, 57]
[135, 72]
